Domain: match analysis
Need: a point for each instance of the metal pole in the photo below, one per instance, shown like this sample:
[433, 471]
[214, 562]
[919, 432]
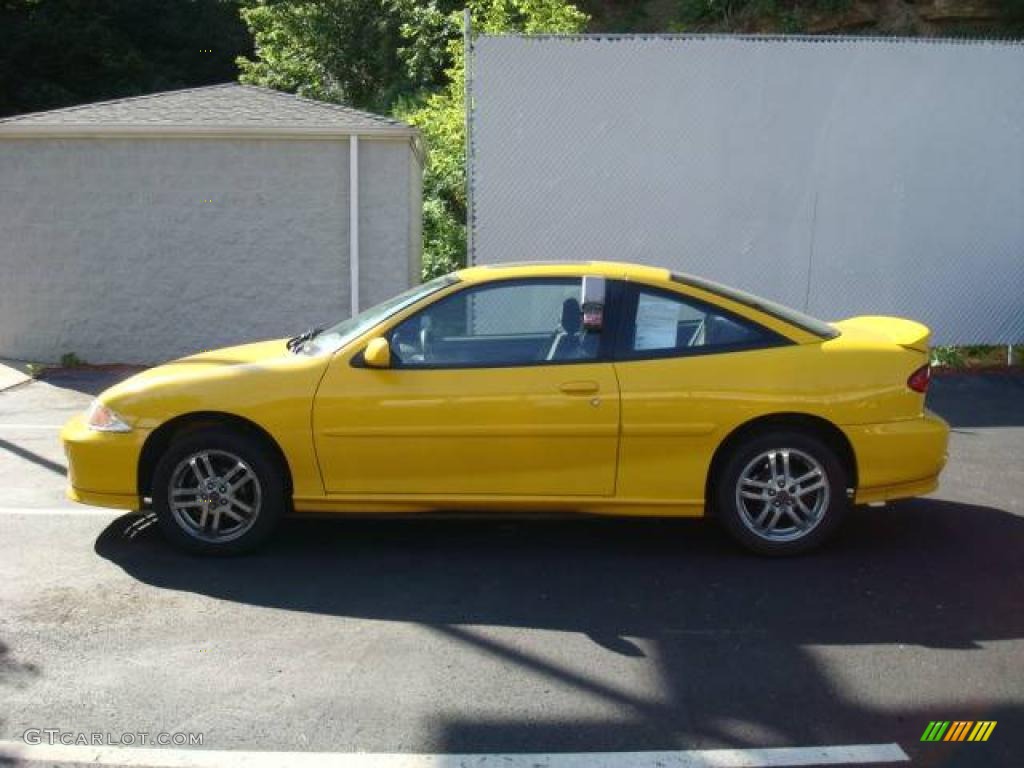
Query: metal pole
[1009, 355]
[353, 224]
[467, 59]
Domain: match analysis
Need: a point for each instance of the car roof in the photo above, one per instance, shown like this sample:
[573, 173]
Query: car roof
[610, 269]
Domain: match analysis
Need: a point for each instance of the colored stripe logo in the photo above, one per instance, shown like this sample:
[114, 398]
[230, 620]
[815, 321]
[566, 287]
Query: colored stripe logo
[958, 730]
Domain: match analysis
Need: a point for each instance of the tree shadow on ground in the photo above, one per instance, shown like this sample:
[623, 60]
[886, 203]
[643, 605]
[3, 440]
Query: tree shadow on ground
[33, 457]
[926, 573]
[13, 674]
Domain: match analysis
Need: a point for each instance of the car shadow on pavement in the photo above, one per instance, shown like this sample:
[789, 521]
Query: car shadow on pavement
[930, 572]
[924, 573]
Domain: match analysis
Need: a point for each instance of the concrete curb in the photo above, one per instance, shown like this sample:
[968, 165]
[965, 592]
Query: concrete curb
[12, 374]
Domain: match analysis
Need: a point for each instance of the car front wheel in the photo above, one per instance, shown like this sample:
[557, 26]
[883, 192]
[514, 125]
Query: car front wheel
[782, 493]
[217, 492]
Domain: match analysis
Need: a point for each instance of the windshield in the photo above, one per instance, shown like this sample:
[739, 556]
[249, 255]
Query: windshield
[339, 335]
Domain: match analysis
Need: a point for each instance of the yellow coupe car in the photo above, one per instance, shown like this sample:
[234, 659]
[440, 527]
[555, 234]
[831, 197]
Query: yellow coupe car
[591, 387]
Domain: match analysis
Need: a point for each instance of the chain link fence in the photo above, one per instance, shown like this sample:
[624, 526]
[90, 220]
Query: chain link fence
[842, 176]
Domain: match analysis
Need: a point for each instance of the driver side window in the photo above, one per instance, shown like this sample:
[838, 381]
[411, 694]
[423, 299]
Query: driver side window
[506, 323]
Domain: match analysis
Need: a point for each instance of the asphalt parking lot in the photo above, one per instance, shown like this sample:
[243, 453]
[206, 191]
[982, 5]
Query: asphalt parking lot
[491, 636]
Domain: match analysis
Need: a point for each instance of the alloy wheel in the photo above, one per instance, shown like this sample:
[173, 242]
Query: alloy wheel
[214, 496]
[782, 494]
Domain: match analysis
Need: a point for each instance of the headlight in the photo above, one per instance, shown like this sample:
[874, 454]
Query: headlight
[102, 419]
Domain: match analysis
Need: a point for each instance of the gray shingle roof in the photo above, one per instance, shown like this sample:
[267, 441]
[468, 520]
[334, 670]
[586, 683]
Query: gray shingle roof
[214, 108]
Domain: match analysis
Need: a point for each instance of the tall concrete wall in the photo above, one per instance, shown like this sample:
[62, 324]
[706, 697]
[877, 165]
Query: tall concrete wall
[126, 250]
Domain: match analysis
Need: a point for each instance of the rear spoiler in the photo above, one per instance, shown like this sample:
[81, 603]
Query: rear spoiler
[906, 333]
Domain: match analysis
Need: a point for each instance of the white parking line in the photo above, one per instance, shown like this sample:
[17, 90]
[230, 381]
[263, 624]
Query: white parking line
[703, 758]
[70, 511]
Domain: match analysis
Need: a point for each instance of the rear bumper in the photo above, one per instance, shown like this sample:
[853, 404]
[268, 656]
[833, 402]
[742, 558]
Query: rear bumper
[898, 459]
[102, 466]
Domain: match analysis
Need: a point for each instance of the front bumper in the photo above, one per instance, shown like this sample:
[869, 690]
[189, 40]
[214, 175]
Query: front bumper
[898, 459]
[102, 466]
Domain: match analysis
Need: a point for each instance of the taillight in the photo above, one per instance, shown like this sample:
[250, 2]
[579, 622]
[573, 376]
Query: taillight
[919, 379]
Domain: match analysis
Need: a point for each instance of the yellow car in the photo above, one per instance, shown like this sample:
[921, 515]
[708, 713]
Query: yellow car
[592, 387]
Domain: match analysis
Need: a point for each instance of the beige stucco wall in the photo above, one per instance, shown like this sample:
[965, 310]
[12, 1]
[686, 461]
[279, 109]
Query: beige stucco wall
[389, 221]
[141, 250]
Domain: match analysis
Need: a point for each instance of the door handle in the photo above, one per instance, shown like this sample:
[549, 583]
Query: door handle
[580, 387]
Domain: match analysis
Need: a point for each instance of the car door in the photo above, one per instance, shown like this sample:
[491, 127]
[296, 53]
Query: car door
[688, 372]
[495, 389]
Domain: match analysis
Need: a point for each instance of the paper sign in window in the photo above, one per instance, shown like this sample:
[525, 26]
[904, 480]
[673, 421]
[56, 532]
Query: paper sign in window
[657, 323]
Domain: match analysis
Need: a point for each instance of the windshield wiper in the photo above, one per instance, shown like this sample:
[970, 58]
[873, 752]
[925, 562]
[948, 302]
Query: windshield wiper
[297, 341]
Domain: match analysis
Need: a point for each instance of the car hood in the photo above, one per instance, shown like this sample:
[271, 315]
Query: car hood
[243, 354]
[210, 380]
[217, 362]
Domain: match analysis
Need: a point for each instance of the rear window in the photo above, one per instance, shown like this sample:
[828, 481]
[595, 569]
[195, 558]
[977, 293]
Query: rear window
[780, 311]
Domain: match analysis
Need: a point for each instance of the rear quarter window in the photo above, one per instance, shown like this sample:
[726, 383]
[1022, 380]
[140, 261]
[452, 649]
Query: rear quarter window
[789, 315]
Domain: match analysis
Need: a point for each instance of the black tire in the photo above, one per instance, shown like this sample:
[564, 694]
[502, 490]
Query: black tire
[742, 523]
[266, 487]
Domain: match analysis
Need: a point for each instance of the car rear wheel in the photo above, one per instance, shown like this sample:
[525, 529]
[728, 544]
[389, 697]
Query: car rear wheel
[218, 492]
[782, 493]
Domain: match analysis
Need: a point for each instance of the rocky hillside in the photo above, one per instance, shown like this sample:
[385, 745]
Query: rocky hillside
[933, 18]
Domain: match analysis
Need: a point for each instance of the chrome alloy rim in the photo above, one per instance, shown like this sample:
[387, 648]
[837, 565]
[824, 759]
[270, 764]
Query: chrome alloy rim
[782, 494]
[215, 496]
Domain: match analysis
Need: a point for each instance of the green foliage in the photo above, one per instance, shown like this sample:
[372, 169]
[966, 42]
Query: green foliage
[444, 238]
[55, 53]
[532, 17]
[427, 28]
[71, 360]
[350, 51]
[951, 357]
[441, 115]
[971, 356]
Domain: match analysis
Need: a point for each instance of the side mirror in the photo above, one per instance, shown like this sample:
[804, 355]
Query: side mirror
[377, 353]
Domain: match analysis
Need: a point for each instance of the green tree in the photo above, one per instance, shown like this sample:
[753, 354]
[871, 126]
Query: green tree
[347, 51]
[441, 115]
